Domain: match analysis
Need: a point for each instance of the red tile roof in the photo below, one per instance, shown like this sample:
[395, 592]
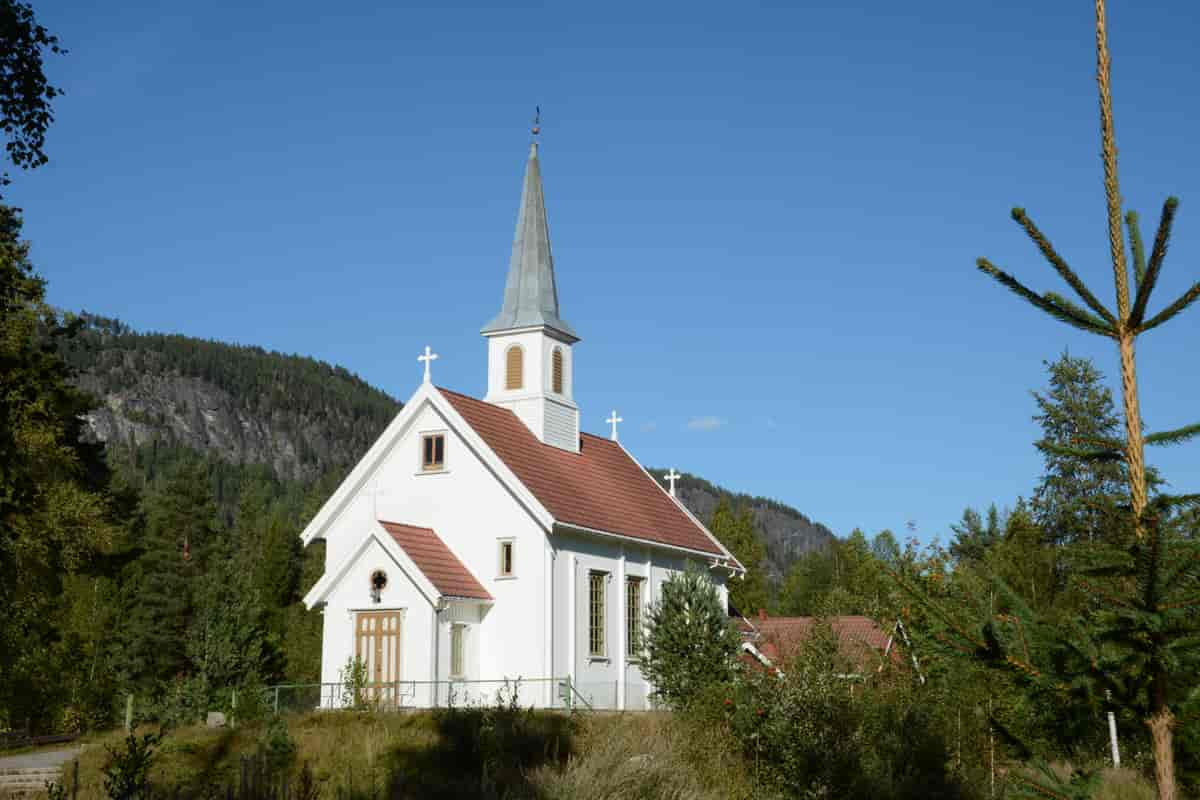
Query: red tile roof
[600, 487]
[431, 555]
[860, 639]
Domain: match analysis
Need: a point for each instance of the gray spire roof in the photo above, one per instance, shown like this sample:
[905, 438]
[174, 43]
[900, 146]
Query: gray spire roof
[530, 296]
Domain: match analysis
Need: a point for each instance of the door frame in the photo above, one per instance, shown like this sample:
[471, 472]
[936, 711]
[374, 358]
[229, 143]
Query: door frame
[382, 693]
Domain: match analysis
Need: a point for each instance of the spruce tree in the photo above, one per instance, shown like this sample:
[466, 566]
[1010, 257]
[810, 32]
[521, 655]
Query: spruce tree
[1077, 499]
[178, 541]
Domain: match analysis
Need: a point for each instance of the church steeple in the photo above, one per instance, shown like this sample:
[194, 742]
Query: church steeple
[530, 294]
[531, 368]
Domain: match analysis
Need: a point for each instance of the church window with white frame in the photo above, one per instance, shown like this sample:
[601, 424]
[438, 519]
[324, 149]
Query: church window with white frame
[458, 638]
[596, 634]
[506, 567]
[433, 452]
[514, 367]
[633, 616]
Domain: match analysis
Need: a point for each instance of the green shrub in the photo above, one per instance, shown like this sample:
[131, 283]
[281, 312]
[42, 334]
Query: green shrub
[819, 729]
[353, 677]
[276, 744]
[127, 773]
[690, 644]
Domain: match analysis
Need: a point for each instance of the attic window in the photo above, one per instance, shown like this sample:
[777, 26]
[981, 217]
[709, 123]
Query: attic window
[556, 370]
[433, 452]
[514, 367]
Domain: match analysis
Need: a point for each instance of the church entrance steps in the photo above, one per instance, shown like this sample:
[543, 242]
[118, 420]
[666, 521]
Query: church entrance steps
[27, 774]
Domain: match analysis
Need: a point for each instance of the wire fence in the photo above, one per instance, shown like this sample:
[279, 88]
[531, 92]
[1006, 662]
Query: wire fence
[560, 693]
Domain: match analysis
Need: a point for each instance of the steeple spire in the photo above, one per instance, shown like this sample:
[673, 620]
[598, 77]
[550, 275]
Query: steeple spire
[530, 294]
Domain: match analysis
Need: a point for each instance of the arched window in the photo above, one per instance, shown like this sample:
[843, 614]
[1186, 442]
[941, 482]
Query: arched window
[514, 368]
[556, 370]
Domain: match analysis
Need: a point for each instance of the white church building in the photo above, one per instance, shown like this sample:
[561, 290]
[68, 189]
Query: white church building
[484, 540]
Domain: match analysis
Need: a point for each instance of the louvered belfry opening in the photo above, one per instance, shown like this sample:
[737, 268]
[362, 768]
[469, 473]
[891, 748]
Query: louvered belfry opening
[556, 368]
[514, 368]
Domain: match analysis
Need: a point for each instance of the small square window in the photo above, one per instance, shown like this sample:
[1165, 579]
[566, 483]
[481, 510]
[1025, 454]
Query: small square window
[506, 558]
[433, 452]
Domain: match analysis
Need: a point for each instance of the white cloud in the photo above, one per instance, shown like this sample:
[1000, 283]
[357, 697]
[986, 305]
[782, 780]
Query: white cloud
[705, 423]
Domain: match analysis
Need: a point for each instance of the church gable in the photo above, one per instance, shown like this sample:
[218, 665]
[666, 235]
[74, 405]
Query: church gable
[382, 479]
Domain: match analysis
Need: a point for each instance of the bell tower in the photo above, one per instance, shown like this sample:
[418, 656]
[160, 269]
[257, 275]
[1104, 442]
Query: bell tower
[531, 364]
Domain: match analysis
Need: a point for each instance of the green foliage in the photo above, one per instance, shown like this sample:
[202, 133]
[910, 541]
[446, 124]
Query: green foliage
[127, 773]
[812, 732]
[844, 578]
[353, 679]
[735, 530]
[25, 94]
[277, 745]
[690, 643]
[973, 540]
[1107, 324]
[786, 533]
[57, 515]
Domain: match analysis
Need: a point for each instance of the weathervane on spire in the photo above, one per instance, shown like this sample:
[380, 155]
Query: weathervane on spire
[537, 121]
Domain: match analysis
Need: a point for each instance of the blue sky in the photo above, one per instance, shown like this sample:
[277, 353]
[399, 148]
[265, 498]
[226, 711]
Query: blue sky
[765, 217]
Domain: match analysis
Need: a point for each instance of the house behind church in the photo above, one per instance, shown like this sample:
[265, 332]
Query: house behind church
[482, 540]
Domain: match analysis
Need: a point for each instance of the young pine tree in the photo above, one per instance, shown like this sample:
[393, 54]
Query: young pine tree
[690, 643]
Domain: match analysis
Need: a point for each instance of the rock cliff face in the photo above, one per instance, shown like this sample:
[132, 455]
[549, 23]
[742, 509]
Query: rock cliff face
[300, 417]
[243, 405]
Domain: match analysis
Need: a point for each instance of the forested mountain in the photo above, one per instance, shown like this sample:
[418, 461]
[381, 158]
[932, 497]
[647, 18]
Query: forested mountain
[303, 419]
[786, 533]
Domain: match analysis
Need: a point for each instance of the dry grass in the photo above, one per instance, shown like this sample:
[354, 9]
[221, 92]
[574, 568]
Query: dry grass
[1125, 784]
[343, 749]
[631, 756]
[610, 757]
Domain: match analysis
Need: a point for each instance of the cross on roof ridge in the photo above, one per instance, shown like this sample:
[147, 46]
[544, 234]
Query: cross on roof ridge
[613, 420]
[429, 357]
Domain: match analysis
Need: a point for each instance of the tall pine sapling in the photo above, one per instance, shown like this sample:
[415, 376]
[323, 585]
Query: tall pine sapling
[1133, 638]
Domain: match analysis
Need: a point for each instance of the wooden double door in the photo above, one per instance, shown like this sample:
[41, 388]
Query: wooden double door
[377, 643]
